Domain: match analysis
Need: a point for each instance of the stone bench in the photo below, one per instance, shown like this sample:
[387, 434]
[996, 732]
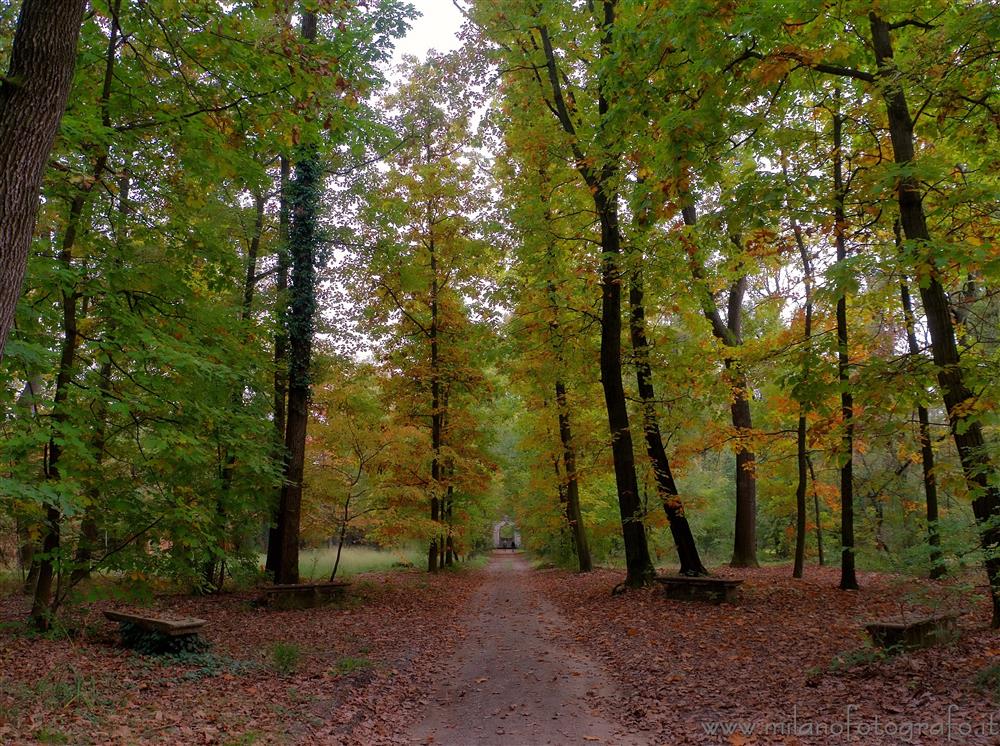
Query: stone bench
[303, 595]
[165, 624]
[913, 633]
[712, 590]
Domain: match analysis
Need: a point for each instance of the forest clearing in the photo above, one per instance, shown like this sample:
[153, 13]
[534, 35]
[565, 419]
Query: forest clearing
[499, 371]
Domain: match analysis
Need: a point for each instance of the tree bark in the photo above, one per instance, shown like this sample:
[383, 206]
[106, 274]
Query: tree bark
[639, 566]
[966, 430]
[572, 486]
[802, 453]
[666, 488]
[848, 576]
[304, 202]
[280, 360]
[32, 99]
[937, 569]
[729, 333]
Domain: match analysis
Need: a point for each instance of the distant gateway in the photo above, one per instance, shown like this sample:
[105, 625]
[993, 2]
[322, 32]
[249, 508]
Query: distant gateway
[506, 543]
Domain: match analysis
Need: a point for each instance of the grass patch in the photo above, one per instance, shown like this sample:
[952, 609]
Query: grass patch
[285, 657]
[988, 680]
[317, 564]
[349, 664]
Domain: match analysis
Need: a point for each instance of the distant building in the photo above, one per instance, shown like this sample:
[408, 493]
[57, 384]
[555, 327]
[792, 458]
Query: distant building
[511, 538]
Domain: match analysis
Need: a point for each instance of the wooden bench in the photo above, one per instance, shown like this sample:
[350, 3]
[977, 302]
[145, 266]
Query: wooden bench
[712, 590]
[913, 633]
[303, 595]
[171, 626]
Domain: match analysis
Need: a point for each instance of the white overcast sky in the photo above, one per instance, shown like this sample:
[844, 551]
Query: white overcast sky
[437, 28]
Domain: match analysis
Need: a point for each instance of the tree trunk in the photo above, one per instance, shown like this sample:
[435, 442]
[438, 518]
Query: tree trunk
[639, 566]
[802, 454]
[32, 99]
[572, 486]
[666, 488]
[280, 360]
[966, 430]
[304, 202]
[729, 333]
[848, 577]
[599, 180]
[820, 559]
[926, 447]
[214, 570]
[437, 411]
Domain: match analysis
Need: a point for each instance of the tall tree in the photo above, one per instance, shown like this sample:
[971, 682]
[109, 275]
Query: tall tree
[32, 99]
[848, 577]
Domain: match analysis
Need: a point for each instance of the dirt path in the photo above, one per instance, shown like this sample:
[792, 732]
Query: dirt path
[511, 684]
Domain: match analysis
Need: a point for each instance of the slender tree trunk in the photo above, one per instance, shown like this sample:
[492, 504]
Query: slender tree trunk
[280, 360]
[926, 447]
[571, 490]
[729, 333]
[966, 430]
[340, 539]
[32, 99]
[680, 530]
[214, 571]
[41, 607]
[599, 180]
[802, 453]
[848, 576]
[437, 410]
[820, 558]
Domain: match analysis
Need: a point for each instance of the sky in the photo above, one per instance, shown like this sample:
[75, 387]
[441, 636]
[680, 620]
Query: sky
[437, 28]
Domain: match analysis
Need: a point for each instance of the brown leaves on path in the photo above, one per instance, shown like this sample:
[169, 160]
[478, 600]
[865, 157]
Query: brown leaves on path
[789, 664]
[357, 676]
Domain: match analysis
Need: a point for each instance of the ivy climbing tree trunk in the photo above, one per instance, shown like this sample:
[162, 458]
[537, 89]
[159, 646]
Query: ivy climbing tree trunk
[978, 468]
[304, 204]
[32, 99]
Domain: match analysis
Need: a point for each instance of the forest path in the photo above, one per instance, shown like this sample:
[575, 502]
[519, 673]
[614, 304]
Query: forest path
[510, 683]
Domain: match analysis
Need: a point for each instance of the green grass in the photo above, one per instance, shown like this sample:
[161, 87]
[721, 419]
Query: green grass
[317, 564]
[349, 664]
[285, 657]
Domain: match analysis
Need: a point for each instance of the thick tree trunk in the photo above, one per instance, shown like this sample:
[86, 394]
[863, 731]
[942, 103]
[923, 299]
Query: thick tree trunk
[966, 430]
[666, 488]
[32, 99]
[848, 576]
[639, 566]
[745, 538]
[304, 203]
